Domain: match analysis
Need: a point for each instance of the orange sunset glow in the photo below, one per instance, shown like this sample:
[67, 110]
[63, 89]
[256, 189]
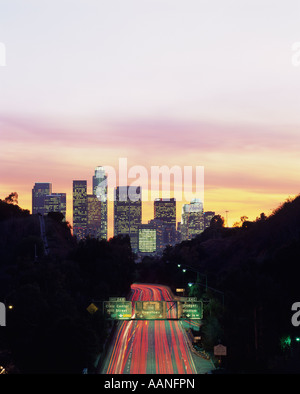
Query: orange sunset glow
[248, 175]
[160, 86]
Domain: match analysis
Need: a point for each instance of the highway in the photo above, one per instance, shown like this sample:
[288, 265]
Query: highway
[151, 346]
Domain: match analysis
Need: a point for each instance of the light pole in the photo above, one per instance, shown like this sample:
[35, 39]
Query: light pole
[211, 288]
[186, 267]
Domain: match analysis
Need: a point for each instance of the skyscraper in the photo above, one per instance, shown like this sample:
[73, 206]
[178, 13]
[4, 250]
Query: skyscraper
[93, 216]
[147, 239]
[79, 208]
[165, 211]
[39, 192]
[128, 213]
[56, 202]
[159, 227]
[192, 220]
[100, 190]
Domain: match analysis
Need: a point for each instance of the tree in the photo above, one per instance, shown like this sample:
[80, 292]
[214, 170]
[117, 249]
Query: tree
[217, 221]
[244, 218]
[9, 208]
[262, 217]
[57, 216]
[12, 198]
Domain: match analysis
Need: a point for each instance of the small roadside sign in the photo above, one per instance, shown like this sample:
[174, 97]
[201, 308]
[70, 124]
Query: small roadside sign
[220, 350]
[92, 308]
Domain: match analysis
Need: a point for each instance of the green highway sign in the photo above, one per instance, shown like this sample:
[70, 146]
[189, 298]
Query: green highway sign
[117, 310]
[190, 310]
[150, 310]
[120, 309]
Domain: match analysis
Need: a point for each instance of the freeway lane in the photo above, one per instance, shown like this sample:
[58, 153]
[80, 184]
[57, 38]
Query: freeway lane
[150, 346]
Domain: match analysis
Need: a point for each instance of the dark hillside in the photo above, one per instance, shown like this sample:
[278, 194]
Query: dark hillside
[257, 268]
[48, 328]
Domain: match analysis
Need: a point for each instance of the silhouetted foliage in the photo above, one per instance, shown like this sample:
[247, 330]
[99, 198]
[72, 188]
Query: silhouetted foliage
[106, 266]
[49, 329]
[12, 198]
[257, 268]
[57, 216]
[217, 221]
[9, 208]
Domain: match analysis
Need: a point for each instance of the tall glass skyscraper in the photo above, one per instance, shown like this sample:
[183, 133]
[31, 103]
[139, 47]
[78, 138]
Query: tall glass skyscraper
[147, 239]
[93, 216]
[44, 201]
[128, 213]
[100, 191]
[165, 211]
[56, 202]
[39, 192]
[160, 229]
[79, 208]
[192, 222]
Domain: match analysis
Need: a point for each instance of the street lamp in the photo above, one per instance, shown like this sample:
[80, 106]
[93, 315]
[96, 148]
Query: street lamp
[196, 271]
[217, 291]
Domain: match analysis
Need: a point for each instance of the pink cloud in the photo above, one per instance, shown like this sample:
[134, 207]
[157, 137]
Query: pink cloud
[168, 135]
[45, 150]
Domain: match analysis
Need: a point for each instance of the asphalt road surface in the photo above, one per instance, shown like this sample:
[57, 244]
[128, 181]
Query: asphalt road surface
[152, 346]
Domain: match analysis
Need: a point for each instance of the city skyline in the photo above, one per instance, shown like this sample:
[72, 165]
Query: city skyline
[90, 212]
[148, 206]
[161, 83]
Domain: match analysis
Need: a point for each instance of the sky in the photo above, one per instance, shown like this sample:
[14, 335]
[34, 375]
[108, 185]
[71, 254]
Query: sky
[159, 82]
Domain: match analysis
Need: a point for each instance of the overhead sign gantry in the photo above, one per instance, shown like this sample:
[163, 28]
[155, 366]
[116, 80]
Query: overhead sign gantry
[117, 308]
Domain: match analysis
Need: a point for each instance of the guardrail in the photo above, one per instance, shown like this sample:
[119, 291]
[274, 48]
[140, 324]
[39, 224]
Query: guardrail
[201, 353]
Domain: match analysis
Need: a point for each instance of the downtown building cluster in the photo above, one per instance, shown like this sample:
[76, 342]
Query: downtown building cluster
[44, 201]
[90, 214]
